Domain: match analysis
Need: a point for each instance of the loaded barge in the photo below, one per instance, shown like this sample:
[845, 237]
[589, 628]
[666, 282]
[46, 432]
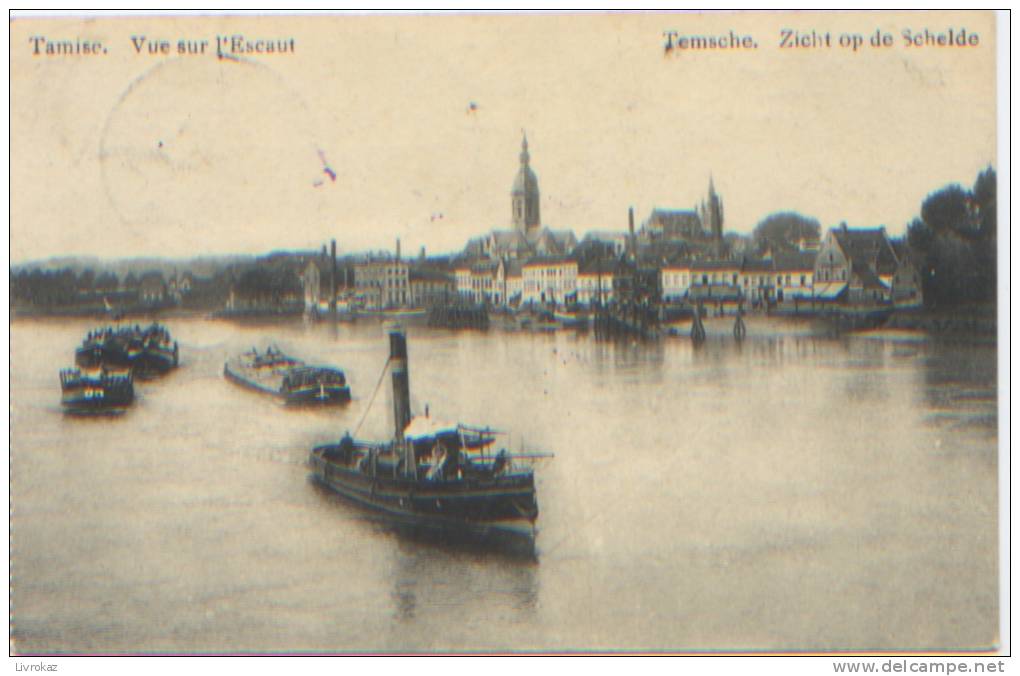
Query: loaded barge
[146, 352]
[296, 383]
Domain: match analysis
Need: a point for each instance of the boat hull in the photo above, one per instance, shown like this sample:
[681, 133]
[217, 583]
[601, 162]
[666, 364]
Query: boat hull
[87, 395]
[498, 513]
[156, 360]
[80, 403]
[316, 394]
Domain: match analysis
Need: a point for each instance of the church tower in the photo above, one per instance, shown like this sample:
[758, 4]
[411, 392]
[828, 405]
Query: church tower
[712, 219]
[711, 213]
[524, 196]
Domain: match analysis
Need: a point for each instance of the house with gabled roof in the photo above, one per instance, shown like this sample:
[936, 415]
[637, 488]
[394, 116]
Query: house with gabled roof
[152, 289]
[490, 282]
[855, 266]
[907, 291]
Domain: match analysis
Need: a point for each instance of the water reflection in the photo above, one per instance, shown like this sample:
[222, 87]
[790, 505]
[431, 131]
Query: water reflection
[960, 386]
[431, 579]
[430, 576]
[623, 354]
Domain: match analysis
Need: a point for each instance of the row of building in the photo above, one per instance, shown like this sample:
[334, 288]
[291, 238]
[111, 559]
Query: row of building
[855, 266]
[681, 255]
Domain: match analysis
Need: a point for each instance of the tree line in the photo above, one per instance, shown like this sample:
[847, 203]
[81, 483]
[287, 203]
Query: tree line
[264, 282]
[54, 288]
[954, 243]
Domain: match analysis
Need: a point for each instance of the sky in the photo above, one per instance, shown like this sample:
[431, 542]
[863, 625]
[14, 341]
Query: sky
[383, 127]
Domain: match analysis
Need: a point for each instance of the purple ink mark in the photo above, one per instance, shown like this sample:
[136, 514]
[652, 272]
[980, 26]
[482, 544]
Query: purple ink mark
[325, 166]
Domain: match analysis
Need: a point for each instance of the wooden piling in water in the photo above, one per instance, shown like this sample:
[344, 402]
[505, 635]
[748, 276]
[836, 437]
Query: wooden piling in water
[697, 327]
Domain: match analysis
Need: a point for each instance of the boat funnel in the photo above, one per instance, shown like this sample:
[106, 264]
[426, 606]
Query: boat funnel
[401, 385]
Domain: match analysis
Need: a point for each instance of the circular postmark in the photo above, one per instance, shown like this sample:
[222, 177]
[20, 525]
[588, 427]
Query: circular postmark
[207, 149]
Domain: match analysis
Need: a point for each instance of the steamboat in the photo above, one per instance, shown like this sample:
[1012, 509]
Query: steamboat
[432, 478]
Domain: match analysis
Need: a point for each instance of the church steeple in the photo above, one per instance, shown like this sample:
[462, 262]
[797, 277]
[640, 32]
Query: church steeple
[524, 196]
[714, 211]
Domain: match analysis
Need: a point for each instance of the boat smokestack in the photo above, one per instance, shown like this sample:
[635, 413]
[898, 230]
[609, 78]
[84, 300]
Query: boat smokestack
[332, 276]
[401, 384]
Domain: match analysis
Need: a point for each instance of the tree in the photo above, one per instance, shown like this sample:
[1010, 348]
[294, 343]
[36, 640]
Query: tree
[268, 285]
[783, 230]
[106, 283]
[87, 281]
[255, 284]
[954, 243]
[983, 200]
[948, 211]
[51, 288]
[984, 206]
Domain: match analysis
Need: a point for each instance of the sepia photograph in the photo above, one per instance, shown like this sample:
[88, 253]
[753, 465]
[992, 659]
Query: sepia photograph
[445, 333]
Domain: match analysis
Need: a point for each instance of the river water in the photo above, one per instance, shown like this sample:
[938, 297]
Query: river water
[789, 493]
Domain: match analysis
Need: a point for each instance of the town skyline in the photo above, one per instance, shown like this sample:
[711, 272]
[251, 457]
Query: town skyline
[420, 140]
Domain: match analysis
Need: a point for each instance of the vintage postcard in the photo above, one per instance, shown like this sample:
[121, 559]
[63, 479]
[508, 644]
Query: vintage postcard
[650, 332]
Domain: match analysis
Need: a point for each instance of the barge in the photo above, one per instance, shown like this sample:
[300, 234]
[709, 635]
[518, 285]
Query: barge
[287, 378]
[97, 390]
[146, 352]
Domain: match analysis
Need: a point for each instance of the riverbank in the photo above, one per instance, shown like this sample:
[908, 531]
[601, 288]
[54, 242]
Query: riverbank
[102, 314]
[977, 322]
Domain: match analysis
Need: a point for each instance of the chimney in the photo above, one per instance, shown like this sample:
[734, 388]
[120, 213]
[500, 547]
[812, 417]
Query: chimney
[401, 383]
[631, 243]
[332, 276]
[398, 249]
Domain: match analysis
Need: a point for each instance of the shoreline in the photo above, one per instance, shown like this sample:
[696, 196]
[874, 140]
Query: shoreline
[977, 325]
